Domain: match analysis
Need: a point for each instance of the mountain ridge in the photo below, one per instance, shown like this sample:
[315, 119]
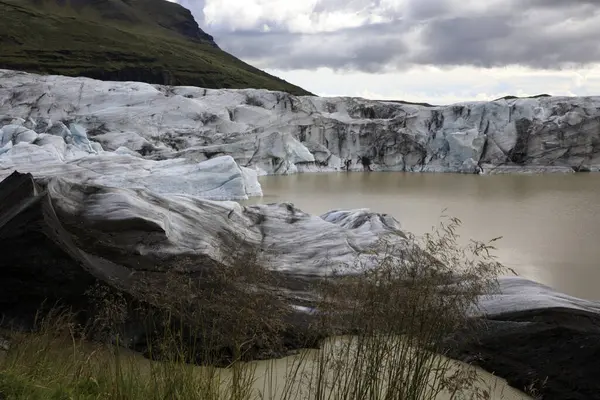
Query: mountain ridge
[165, 14]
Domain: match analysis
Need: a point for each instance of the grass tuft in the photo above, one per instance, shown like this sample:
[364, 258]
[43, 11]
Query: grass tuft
[386, 326]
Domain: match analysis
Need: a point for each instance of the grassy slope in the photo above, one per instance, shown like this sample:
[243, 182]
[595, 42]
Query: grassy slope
[149, 40]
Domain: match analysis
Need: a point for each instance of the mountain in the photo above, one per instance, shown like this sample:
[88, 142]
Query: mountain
[153, 41]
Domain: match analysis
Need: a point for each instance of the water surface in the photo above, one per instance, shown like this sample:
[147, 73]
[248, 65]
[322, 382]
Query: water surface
[550, 224]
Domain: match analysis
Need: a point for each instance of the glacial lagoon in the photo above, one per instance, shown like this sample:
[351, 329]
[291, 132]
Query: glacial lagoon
[550, 223]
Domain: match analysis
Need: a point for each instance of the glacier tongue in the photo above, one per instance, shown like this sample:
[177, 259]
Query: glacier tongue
[67, 151]
[276, 133]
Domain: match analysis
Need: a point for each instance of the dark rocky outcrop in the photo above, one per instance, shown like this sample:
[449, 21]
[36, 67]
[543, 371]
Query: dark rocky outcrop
[39, 254]
[553, 353]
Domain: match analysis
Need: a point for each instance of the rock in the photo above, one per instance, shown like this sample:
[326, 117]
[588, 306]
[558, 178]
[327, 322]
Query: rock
[276, 133]
[537, 338]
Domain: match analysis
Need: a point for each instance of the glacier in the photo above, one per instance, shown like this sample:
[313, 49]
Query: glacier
[191, 144]
[58, 150]
[277, 133]
[164, 155]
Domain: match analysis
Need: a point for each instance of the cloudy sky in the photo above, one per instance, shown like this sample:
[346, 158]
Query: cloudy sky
[439, 51]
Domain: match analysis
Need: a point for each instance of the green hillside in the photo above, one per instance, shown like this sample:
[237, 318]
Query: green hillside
[151, 41]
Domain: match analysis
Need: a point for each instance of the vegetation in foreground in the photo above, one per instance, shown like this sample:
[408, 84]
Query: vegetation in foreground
[152, 41]
[398, 317]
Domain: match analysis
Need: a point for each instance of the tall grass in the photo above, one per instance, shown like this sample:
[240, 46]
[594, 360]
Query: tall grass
[400, 313]
[394, 318]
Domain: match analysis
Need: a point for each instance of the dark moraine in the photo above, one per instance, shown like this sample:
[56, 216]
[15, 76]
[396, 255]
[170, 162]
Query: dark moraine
[50, 258]
[556, 351]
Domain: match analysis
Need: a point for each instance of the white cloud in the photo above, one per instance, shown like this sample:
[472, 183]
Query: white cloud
[446, 86]
[293, 16]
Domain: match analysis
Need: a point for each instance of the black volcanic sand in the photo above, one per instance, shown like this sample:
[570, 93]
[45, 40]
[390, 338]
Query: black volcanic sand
[556, 351]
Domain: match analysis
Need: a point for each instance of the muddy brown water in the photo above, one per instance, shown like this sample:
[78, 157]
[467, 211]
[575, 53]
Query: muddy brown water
[293, 377]
[550, 224]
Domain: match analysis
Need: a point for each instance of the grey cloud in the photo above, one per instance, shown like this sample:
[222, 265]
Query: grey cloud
[561, 4]
[512, 39]
[427, 9]
[431, 32]
[344, 49]
[354, 5]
